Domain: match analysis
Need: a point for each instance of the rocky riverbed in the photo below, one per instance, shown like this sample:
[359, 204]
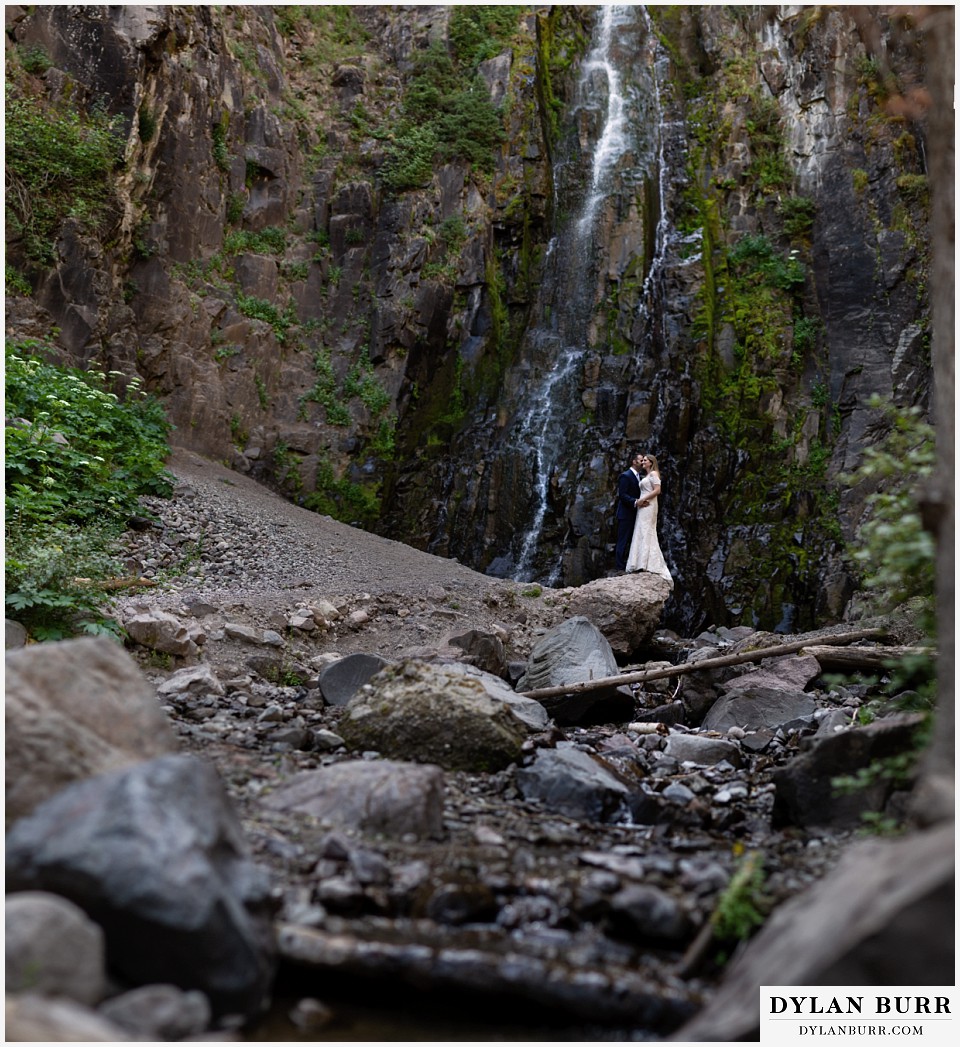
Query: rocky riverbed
[483, 870]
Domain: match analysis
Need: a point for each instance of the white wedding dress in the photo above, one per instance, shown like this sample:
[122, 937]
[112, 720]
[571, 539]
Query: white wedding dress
[645, 552]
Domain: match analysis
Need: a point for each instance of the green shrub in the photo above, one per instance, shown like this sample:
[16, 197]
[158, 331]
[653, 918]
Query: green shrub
[914, 187]
[757, 254]
[271, 240]
[146, 124]
[481, 31]
[34, 59]
[897, 555]
[78, 459]
[261, 309]
[15, 282]
[798, 213]
[218, 135]
[805, 332]
[235, 205]
[446, 115]
[59, 164]
[342, 499]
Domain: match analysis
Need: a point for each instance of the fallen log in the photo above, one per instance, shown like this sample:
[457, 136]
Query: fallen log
[723, 660]
[870, 659]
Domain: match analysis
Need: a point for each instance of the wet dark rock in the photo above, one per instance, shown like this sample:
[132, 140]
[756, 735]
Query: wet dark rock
[155, 850]
[648, 914]
[461, 903]
[758, 706]
[805, 793]
[573, 652]
[574, 783]
[340, 681]
[614, 994]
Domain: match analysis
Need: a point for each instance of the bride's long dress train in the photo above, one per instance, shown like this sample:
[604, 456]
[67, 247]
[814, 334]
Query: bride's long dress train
[645, 554]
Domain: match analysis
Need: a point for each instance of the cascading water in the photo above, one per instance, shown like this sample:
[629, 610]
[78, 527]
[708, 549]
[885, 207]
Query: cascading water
[620, 136]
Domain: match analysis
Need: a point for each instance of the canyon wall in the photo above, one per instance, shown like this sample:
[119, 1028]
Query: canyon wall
[330, 264]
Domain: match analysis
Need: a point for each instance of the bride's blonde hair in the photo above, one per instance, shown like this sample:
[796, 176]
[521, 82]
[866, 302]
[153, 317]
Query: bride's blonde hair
[654, 468]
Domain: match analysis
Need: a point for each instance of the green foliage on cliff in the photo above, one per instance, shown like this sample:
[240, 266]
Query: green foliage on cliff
[58, 166]
[447, 115]
[77, 460]
[481, 31]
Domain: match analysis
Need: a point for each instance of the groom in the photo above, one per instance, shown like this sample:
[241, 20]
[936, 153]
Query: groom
[628, 491]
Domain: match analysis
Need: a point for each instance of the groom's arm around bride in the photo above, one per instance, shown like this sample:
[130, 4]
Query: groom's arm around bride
[628, 491]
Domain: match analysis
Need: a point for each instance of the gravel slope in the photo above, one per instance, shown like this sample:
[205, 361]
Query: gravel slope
[228, 540]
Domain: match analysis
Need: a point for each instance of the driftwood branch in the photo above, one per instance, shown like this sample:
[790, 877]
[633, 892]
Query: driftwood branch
[873, 659]
[756, 655]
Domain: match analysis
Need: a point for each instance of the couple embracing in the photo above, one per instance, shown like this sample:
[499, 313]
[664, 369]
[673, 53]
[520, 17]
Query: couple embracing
[637, 501]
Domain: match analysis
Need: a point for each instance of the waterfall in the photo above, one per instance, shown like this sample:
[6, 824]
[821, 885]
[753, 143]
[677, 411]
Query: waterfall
[616, 148]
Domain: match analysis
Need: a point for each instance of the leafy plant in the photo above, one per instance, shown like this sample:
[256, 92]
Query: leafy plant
[58, 166]
[758, 254]
[271, 240]
[798, 213]
[34, 59]
[447, 114]
[897, 555]
[218, 135]
[481, 31]
[741, 908]
[261, 309]
[78, 458]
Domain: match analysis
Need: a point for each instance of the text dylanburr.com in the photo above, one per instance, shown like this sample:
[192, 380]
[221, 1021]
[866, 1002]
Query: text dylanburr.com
[864, 1015]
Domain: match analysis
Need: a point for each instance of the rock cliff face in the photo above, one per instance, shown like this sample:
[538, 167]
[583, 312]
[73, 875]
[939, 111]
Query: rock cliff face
[340, 280]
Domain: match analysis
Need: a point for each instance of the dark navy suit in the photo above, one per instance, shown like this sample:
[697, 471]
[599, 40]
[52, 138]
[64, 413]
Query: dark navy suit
[628, 491]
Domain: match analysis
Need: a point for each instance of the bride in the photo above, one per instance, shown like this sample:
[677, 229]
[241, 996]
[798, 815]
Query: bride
[645, 552]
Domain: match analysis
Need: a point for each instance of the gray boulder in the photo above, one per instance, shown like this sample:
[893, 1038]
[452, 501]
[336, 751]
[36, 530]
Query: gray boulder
[53, 948]
[759, 706]
[163, 632]
[531, 712]
[791, 672]
[195, 679]
[16, 635]
[159, 1012]
[375, 796]
[573, 783]
[75, 709]
[576, 651]
[432, 714]
[32, 1018]
[698, 749]
[649, 914]
[479, 648]
[626, 609]
[155, 854]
